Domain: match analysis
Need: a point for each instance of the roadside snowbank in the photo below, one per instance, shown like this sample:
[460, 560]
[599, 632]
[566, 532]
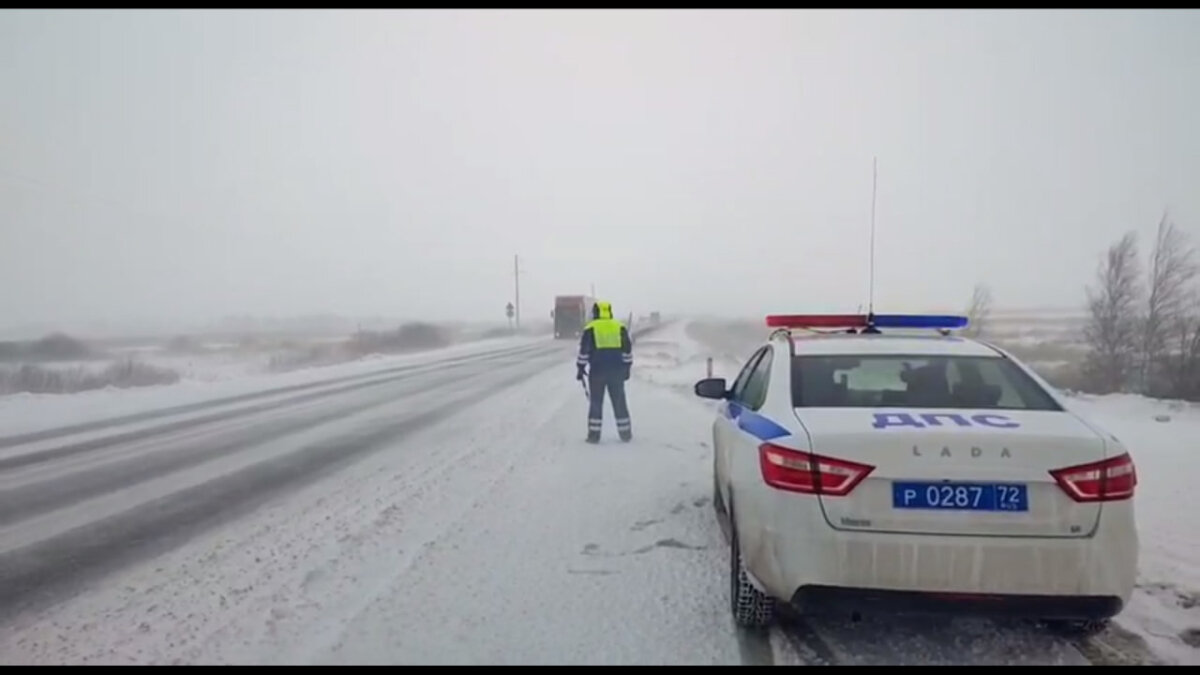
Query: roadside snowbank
[1165, 610]
[672, 358]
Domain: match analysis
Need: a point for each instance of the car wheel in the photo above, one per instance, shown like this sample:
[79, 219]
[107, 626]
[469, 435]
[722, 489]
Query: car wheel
[751, 607]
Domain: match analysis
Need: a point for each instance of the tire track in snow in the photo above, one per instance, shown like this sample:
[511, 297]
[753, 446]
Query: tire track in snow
[41, 572]
[55, 490]
[99, 425]
[44, 490]
[18, 460]
[428, 488]
[754, 646]
[805, 643]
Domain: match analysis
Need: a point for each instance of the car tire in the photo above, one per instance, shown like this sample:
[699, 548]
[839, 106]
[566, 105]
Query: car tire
[751, 607]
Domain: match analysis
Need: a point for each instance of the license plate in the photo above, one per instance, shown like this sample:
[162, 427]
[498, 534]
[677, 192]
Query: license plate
[961, 496]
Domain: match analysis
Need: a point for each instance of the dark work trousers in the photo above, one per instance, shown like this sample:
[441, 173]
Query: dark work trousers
[614, 382]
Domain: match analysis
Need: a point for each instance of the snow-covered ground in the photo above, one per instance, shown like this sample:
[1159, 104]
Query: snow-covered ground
[1165, 610]
[671, 358]
[23, 413]
[221, 362]
[497, 536]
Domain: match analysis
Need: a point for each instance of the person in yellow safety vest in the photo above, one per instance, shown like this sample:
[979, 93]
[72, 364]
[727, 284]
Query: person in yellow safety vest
[606, 359]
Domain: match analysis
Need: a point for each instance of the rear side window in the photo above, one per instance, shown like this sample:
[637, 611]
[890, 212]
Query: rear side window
[875, 381]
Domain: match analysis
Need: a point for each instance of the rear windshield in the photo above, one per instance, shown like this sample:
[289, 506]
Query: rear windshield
[874, 381]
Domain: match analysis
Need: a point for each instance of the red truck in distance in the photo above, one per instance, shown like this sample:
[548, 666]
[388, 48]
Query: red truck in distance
[571, 313]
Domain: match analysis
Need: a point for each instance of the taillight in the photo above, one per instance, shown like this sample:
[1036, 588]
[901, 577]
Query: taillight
[1105, 481]
[796, 471]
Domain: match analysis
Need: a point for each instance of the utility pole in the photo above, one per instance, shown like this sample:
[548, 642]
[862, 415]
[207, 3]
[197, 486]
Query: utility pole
[871, 283]
[517, 287]
[593, 290]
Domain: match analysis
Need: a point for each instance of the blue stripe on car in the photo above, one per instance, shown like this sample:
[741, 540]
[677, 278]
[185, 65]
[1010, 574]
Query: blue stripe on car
[761, 427]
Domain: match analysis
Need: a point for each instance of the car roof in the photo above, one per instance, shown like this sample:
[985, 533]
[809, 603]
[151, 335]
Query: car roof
[889, 343]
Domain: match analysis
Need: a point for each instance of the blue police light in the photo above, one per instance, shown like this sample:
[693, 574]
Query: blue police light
[934, 321]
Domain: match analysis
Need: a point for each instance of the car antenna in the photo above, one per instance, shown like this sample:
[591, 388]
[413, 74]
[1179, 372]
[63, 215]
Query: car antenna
[870, 328]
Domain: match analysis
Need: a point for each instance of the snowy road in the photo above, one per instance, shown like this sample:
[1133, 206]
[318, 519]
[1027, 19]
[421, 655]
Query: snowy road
[424, 513]
[83, 499]
[448, 513]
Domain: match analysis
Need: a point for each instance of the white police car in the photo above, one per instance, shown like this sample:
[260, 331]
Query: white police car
[858, 469]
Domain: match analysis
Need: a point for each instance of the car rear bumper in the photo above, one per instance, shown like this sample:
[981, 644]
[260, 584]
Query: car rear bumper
[815, 599]
[795, 554]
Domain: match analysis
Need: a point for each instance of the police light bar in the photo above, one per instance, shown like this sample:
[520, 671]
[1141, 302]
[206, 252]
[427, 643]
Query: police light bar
[817, 321]
[941, 321]
[931, 321]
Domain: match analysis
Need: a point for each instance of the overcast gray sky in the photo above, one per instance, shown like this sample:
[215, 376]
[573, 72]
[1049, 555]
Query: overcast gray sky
[189, 165]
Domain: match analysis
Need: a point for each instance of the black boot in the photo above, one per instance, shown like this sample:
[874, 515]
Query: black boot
[593, 438]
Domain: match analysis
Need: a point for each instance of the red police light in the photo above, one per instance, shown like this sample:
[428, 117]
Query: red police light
[816, 321]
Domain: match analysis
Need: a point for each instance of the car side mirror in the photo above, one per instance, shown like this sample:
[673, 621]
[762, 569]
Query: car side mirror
[712, 387]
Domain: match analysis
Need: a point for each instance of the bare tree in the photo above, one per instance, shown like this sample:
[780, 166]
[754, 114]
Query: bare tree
[1172, 271]
[979, 310]
[1181, 362]
[1112, 330]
